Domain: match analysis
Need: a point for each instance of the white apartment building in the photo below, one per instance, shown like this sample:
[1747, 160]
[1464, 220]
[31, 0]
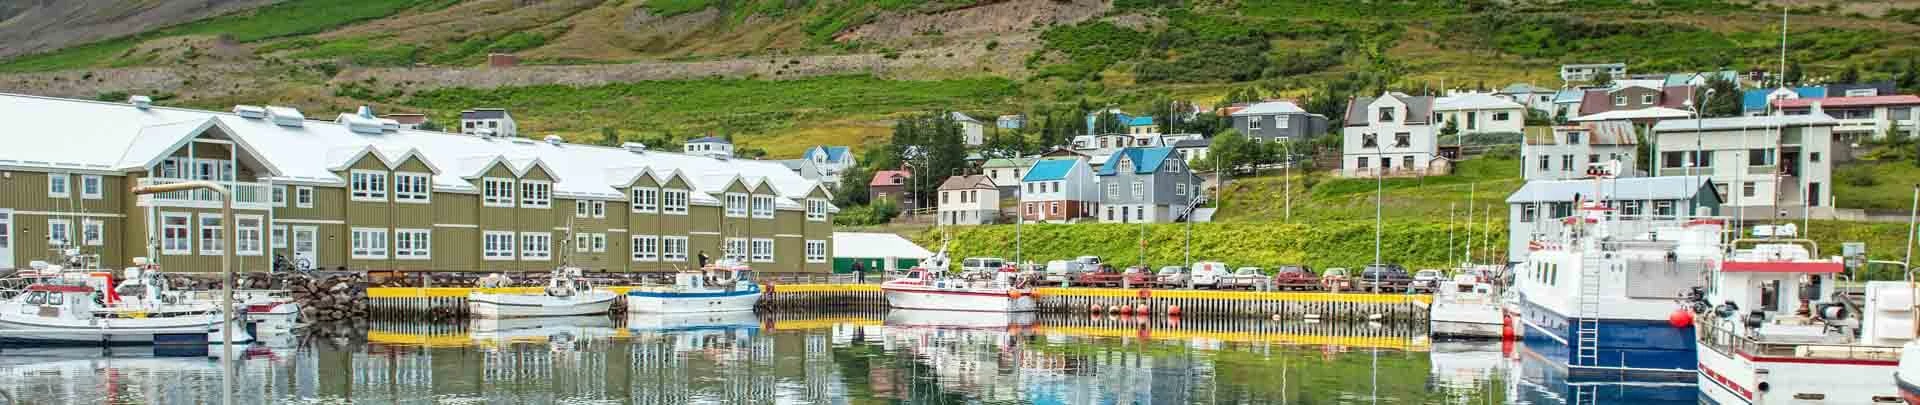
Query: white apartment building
[492, 122]
[1566, 153]
[1390, 135]
[969, 200]
[1582, 72]
[1479, 113]
[1761, 165]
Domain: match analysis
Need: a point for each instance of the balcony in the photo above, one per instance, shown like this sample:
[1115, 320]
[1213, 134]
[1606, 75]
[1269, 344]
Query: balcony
[254, 196]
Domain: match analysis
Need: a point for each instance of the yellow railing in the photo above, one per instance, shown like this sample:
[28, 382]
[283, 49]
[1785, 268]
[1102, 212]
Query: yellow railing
[449, 292]
[824, 288]
[821, 323]
[1383, 342]
[1238, 295]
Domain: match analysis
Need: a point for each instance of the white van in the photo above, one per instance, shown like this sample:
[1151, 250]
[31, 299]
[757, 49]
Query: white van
[1059, 271]
[1210, 274]
[989, 264]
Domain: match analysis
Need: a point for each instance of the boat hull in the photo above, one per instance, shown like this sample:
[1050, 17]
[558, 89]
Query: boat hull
[914, 297]
[486, 305]
[1634, 347]
[1457, 320]
[1732, 379]
[136, 331]
[669, 302]
[959, 319]
[1909, 389]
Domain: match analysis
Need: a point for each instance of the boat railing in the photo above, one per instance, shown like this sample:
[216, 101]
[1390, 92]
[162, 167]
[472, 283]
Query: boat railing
[1618, 227]
[1729, 342]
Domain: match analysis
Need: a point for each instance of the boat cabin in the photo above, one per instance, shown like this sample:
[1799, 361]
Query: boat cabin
[1780, 293]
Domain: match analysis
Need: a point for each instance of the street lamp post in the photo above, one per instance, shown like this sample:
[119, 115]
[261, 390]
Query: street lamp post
[1286, 172]
[226, 271]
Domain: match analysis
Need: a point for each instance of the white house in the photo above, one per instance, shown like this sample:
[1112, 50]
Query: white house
[493, 122]
[1390, 135]
[1582, 72]
[972, 132]
[711, 146]
[969, 200]
[1537, 98]
[832, 161]
[1762, 165]
[1058, 189]
[1479, 113]
[1566, 153]
[1859, 117]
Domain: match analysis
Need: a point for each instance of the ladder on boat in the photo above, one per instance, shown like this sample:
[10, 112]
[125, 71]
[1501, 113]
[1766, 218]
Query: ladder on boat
[1587, 332]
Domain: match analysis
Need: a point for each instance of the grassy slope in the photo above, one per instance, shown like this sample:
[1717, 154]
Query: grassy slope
[279, 20]
[1888, 186]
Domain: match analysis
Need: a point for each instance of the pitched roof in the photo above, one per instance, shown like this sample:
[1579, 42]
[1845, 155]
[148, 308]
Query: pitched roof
[1569, 96]
[1008, 162]
[1193, 143]
[1597, 133]
[1143, 120]
[1473, 101]
[1625, 188]
[1050, 169]
[885, 177]
[483, 114]
[967, 182]
[1523, 88]
[1745, 122]
[709, 139]
[1419, 108]
[960, 116]
[101, 135]
[1145, 160]
[1269, 107]
[1756, 99]
[1831, 102]
[834, 153]
[1638, 114]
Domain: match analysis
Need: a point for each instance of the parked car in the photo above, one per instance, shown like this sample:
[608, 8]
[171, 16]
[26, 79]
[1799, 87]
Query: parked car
[1335, 278]
[1428, 279]
[1246, 277]
[1108, 277]
[1383, 277]
[1059, 271]
[973, 264]
[1172, 276]
[1295, 277]
[1210, 274]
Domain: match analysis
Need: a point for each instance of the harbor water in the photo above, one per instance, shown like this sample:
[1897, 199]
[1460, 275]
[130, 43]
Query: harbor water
[867, 357]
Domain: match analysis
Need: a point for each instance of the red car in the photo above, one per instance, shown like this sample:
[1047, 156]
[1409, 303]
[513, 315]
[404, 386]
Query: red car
[1107, 277]
[1295, 277]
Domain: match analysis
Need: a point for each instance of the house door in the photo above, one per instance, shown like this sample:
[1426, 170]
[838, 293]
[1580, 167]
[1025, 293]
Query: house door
[306, 247]
[6, 239]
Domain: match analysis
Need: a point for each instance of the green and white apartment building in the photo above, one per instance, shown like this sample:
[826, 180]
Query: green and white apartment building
[360, 193]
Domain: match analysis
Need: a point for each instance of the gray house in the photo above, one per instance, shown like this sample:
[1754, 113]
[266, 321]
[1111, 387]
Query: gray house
[1542, 202]
[1146, 185]
[1278, 120]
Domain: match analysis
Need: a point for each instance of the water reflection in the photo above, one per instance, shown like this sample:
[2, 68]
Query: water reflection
[916, 357]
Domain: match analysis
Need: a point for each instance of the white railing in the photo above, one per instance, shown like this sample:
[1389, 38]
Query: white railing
[244, 194]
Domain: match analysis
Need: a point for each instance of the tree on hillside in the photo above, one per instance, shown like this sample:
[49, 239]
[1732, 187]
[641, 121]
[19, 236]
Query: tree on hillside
[1794, 74]
[930, 144]
[1228, 151]
[1850, 76]
[1247, 94]
[1108, 122]
[1203, 123]
[1451, 129]
[853, 186]
[1603, 78]
[609, 136]
[1006, 143]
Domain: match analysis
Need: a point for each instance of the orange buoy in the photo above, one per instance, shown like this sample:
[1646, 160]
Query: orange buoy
[1014, 294]
[1173, 310]
[1125, 309]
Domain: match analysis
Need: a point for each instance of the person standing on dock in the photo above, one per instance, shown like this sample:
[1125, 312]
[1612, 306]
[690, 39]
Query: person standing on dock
[703, 259]
[860, 272]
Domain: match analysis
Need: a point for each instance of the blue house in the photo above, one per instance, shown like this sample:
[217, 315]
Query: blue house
[1754, 102]
[1146, 185]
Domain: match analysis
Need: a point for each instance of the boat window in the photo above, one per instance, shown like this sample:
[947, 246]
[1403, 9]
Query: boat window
[37, 298]
[1770, 295]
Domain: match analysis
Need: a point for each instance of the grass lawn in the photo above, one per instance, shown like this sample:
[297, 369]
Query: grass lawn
[1488, 181]
[274, 21]
[1875, 186]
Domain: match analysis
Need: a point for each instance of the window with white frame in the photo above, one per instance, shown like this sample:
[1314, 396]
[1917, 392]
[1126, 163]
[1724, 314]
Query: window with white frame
[599, 209]
[369, 243]
[763, 250]
[736, 205]
[1139, 190]
[412, 244]
[247, 240]
[58, 186]
[673, 201]
[536, 194]
[599, 242]
[93, 232]
[816, 251]
[279, 236]
[646, 199]
[763, 206]
[412, 187]
[581, 242]
[59, 232]
[279, 196]
[536, 245]
[1180, 189]
[673, 248]
[580, 209]
[212, 238]
[736, 249]
[496, 245]
[646, 248]
[496, 192]
[92, 187]
[176, 237]
[303, 197]
[816, 209]
[368, 185]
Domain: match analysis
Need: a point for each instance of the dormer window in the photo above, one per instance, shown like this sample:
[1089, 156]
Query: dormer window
[368, 185]
[1386, 114]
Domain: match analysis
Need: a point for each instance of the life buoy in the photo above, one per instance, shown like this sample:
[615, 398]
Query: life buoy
[1014, 294]
[1146, 293]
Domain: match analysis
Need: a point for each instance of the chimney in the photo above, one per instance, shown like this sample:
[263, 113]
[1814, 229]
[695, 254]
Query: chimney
[249, 111]
[140, 102]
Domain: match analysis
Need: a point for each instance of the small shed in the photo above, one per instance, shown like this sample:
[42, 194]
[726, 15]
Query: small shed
[875, 252]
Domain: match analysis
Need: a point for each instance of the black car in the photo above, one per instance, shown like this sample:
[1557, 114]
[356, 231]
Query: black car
[1383, 277]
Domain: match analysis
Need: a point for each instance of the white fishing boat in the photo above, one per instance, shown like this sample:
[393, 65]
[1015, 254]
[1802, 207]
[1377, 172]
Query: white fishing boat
[76, 308]
[566, 294]
[500, 331]
[1908, 376]
[725, 286]
[1779, 331]
[1597, 290]
[929, 286]
[910, 318]
[1465, 307]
